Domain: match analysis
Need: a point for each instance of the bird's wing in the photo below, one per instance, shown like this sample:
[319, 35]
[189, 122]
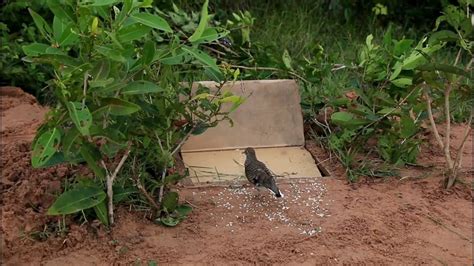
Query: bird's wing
[263, 174]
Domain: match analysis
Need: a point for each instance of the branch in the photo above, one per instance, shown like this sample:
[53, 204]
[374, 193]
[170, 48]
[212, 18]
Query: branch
[181, 143]
[447, 136]
[162, 187]
[110, 181]
[434, 129]
[458, 160]
[145, 193]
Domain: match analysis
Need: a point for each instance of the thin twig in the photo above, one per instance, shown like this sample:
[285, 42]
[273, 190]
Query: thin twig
[458, 57]
[162, 187]
[84, 90]
[110, 181]
[181, 143]
[458, 160]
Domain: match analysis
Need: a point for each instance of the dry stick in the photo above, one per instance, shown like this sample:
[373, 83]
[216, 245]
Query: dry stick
[110, 182]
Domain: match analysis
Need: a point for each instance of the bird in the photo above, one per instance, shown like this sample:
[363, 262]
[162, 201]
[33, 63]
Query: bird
[258, 174]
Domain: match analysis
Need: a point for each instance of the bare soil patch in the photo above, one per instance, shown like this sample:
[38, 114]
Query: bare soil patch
[325, 221]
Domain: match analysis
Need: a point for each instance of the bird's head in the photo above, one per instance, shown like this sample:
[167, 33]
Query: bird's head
[249, 152]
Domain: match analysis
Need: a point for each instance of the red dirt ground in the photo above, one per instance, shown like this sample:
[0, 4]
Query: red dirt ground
[408, 220]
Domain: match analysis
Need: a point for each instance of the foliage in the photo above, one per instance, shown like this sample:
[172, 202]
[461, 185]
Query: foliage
[448, 78]
[118, 68]
[18, 29]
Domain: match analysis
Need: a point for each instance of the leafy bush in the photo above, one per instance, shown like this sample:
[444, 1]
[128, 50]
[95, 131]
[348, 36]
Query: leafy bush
[18, 29]
[119, 68]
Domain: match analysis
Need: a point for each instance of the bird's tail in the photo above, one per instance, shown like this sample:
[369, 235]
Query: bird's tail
[276, 191]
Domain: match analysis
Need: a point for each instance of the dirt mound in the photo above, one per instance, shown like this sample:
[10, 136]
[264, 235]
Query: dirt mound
[20, 115]
[396, 221]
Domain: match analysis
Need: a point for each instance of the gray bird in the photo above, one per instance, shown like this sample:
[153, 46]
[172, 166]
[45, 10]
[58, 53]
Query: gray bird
[258, 174]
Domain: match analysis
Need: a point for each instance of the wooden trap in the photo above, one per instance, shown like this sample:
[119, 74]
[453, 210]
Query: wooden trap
[270, 120]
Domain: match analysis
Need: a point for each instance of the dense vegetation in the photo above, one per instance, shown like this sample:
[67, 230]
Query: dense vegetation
[369, 72]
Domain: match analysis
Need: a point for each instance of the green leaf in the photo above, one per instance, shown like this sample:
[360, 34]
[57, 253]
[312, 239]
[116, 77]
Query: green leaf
[170, 221]
[153, 21]
[81, 117]
[443, 36]
[402, 82]
[70, 139]
[177, 59]
[133, 32]
[41, 24]
[141, 87]
[101, 212]
[409, 127]
[58, 28]
[77, 199]
[397, 68]
[202, 23]
[347, 120]
[100, 2]
[402, 46]
[63, 34]
[236, 100]
[111, 53]
[210, 35]
[120, 107]
[92, 156]
[101, 83]
[202, 57]
[35, 49]
[68, 37]
[45, 147]
[61, 10]
[148, 52]
[170, 201]
[287, 59]
[100, 70]
[184, 210]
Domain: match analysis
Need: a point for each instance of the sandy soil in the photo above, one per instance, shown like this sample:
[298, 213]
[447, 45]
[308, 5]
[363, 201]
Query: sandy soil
[408, 220]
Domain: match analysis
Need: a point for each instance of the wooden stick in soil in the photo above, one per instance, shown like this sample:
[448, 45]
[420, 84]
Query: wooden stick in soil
[110, 181]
